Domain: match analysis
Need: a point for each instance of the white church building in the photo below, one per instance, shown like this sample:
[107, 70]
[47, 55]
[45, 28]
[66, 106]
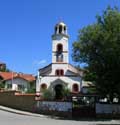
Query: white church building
[59, 74]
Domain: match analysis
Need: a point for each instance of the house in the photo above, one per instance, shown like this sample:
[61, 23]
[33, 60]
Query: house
[59, 74]
[88, 87]
[17, 81]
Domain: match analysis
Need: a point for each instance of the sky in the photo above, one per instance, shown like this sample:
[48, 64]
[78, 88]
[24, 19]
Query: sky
[26, 27]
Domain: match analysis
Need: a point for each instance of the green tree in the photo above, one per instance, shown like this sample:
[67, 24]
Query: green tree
[98, 46]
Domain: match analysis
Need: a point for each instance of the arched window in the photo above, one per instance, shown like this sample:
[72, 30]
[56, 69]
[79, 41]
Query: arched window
[59, 56]
[59, 72]
[60, 29]
[75, 88]
[64, 28]
[59, 48]
[43, 86]
[56, 30]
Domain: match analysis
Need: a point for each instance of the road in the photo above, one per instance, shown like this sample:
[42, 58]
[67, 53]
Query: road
[7, 118]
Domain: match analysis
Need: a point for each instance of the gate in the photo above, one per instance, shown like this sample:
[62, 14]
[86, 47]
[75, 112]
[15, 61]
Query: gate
[83, 106]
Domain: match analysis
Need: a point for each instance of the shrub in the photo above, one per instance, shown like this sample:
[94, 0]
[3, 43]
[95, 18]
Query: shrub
[48, 94]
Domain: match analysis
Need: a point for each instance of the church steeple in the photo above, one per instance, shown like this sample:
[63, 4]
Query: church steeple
[61, 28]
[60, 44]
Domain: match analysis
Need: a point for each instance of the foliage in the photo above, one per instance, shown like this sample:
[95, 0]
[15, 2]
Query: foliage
[92, 90]
[2, 85]
[4, 69]
[66, 92]
[32, 88]
[98, 46]
[48, 94]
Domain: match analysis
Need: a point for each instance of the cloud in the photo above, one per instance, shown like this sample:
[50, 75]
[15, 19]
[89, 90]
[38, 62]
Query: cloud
[39, 62]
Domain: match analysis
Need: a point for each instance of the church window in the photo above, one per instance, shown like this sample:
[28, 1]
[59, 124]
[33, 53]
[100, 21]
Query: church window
[75, 88]
[64, 28]
[59, 56]
[43, 86]
[59, 48]
[55, 29]
[59, 72]
[60, 29]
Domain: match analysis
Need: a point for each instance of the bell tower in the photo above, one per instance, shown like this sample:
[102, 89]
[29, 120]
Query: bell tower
[60, 44]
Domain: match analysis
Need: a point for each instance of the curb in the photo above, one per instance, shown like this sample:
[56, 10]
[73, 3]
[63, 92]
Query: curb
[11, 110]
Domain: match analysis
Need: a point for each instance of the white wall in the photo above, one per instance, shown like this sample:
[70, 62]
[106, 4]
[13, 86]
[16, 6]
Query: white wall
[63, 41]
[60, 40]
[107, 108]
[54, 106]
[65, 80]
[18, 81]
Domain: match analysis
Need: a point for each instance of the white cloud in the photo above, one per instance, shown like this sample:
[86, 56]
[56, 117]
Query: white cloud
[39, 62]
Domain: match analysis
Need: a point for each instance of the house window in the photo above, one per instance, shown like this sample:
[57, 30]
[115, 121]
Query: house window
[21, 87]
[9, 86]
[43, 86]
[59, 72]
[75, 88]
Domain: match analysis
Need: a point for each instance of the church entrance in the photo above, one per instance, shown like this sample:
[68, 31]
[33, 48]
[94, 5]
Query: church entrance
[58, 91]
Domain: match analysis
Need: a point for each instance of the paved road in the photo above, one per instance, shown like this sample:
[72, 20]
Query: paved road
[7, 118]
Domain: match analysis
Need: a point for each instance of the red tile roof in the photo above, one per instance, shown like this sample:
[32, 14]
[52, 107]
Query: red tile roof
[10, 75]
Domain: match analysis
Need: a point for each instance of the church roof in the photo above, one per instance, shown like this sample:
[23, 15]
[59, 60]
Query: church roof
[45, 69]
[61, 23]
[71, 68]
[75, 70]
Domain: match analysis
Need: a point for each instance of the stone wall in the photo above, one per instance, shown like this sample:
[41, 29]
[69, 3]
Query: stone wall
[24, 102]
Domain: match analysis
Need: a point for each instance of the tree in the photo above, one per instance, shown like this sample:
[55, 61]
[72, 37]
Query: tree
[98, 46]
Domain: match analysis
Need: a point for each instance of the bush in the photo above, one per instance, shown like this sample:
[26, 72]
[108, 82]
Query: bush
[32, 90]
[2, 85]
[48, 94]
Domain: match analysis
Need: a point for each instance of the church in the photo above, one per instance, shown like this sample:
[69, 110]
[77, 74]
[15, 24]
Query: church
[59, 74]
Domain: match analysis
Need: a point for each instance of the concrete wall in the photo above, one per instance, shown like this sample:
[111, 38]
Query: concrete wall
[108, 110]
[22, 102]
[55, 108]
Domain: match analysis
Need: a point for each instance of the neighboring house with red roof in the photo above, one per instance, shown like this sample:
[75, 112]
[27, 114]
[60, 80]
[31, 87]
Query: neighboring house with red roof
[17, 81]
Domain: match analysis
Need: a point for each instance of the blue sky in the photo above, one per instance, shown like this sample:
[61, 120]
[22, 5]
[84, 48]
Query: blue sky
[26, 27]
